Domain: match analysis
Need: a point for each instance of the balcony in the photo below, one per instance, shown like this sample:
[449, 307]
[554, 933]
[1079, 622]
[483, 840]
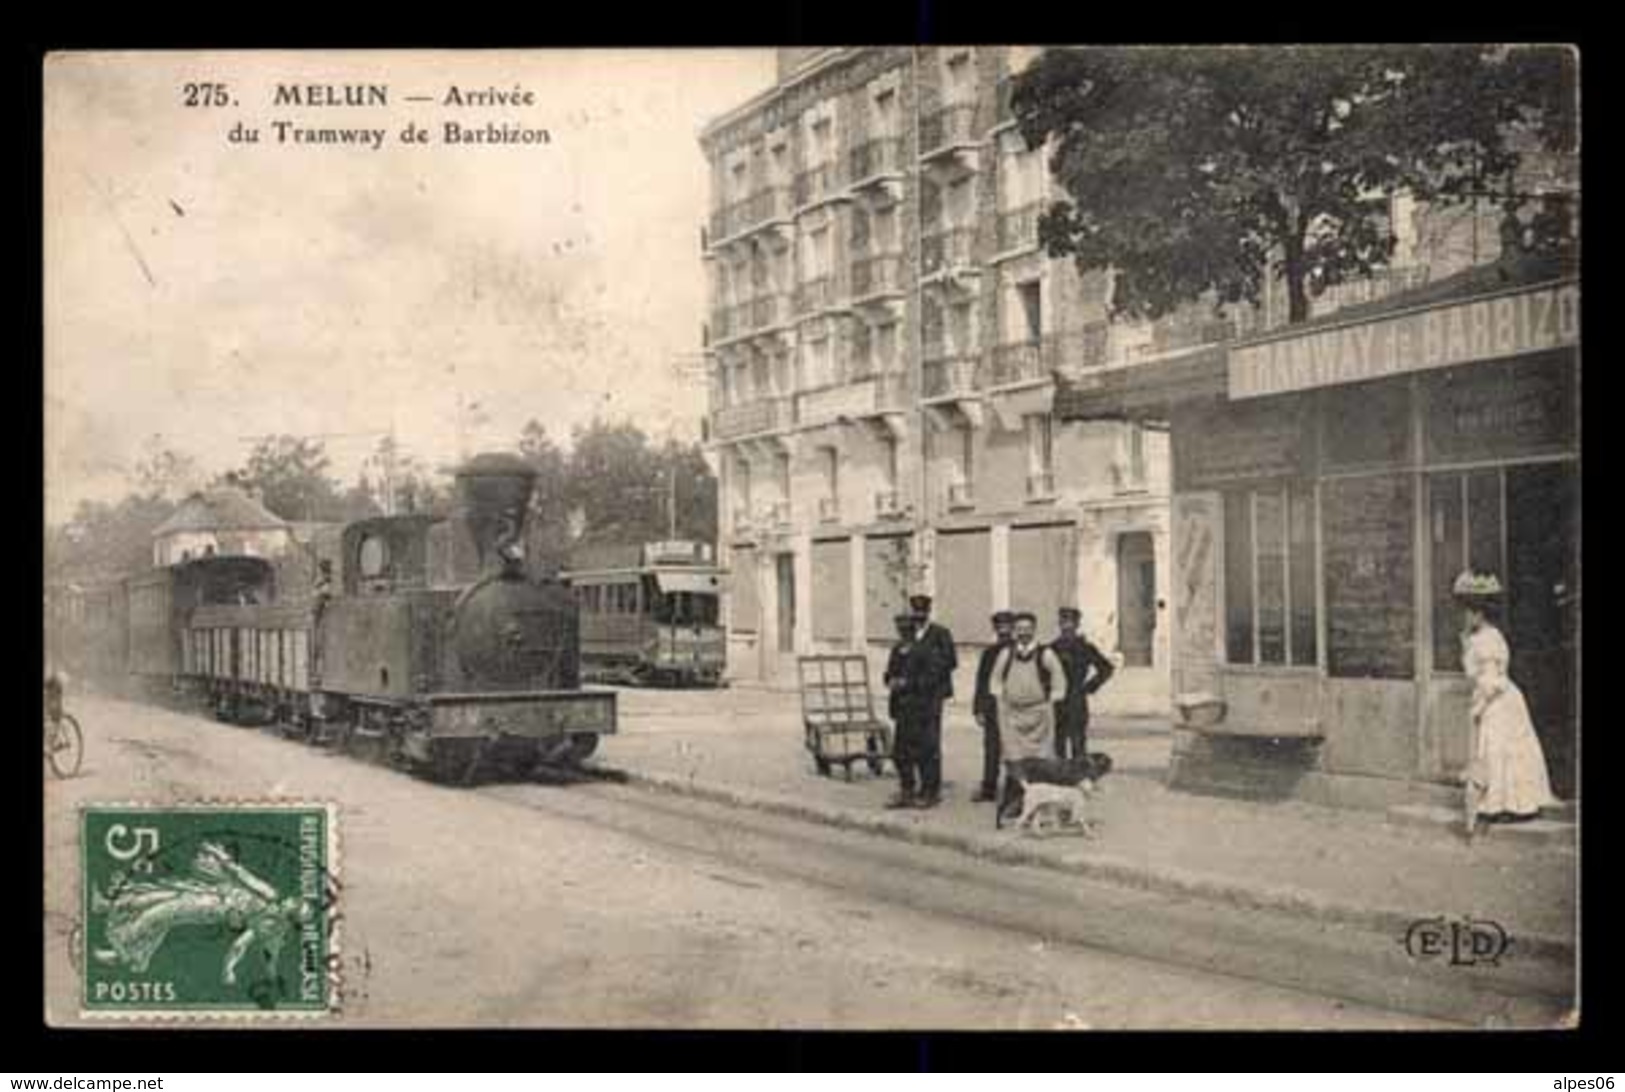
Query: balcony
[950, 375]
[816, 185]
[877, 275]
[1016, 362]
[865, 396]
[874, 159]
[742, 522]
[888, 505]
[1041, 486]
[817, 294]
[1018, 228]
[768, 310]
[760, 415]
[960, 496]
[829, 510]
[765, 206]
[947, 129]
[722, 323]
[946, 249]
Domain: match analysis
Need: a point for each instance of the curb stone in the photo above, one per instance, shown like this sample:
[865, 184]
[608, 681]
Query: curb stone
[1118, 872]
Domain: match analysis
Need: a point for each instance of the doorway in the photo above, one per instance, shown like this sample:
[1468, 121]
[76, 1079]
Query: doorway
[786, 568]
[1136, 598]
[1541, 605]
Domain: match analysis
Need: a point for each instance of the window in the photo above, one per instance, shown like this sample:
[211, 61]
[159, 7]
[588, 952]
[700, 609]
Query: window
[1269, 576]
[885, 113]
[374, 557]
[888, 462]
[956, 79]
[1040, 444]
[958, 204]
[1029, 296]
[883, 230]
[832, 474]
[823, 144]
[816, 364]
[883, 344]
[1465, 525]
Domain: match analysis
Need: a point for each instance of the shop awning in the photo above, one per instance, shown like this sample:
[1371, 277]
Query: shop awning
[708, 583]
[1141, 391]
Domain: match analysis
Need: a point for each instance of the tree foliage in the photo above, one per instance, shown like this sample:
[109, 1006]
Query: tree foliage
[290, 475]
[624, 488]
[1193, 171]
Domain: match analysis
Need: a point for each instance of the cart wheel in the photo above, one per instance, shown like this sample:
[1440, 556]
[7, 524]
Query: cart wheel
[823, 766]
[66, 747]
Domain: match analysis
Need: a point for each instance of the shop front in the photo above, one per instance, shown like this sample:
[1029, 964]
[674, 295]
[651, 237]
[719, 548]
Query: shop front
[1324, 504]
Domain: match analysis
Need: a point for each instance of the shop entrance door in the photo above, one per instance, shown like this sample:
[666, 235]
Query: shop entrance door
[787, 602]
[1136, 598]
[1542, 548]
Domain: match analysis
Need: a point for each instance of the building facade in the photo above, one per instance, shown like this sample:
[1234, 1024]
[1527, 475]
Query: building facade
[224, 521]
[882, 346]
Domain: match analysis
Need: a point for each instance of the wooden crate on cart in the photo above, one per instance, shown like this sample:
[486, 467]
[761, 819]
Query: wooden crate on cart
[838, 712]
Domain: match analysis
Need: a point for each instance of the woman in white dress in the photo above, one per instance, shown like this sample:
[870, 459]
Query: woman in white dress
[1506, 776]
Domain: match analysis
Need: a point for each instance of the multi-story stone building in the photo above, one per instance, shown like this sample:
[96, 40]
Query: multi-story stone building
[882, 341]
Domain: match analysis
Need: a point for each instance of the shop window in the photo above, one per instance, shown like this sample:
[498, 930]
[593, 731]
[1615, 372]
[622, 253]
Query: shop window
[1465, 530]
[1269, 562]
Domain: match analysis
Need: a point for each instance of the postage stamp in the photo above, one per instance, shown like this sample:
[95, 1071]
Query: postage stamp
[209, 909]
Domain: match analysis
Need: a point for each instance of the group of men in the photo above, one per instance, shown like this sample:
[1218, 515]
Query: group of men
[1031, 701]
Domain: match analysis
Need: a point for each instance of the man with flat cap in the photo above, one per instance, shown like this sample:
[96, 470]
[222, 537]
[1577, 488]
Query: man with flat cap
[985, 706]
[1087, 670]
[940, 660]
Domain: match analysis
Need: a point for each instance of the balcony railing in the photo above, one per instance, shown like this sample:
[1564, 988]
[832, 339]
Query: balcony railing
[946, 248]
[815, 184]
[945, 374]
[1018, 227]
[961, 495]
[887, 505]
[762, 207]
[1016, 362]
[769, 309]
[948, 127]
[776, 514]
[877, 274]
[816, 294]
[829, 510]
[876, 157]
[760, 415]
[1041, 486]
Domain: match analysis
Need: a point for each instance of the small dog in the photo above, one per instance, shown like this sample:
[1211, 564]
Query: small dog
[1046, 808]
[1043, 792]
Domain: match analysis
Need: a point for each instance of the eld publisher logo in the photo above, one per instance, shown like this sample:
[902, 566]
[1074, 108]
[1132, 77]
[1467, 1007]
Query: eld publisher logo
[1465, 942]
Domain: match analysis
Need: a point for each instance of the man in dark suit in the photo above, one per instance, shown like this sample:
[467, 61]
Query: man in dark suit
[1087, 670]
[940, 660]
[986, 708]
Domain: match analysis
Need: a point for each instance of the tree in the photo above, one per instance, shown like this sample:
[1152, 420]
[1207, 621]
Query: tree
[623, 487]
[290, 474]
[550, 502]
[104, 541]
[1202, 171]
[165, 473]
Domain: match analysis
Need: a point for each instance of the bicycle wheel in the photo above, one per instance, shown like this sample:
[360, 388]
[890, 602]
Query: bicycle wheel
[67, 749]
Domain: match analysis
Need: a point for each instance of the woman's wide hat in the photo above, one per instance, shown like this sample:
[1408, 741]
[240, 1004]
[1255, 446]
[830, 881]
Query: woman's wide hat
[1470, 585]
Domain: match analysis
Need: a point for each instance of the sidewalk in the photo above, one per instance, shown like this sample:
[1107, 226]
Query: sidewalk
[744, 747]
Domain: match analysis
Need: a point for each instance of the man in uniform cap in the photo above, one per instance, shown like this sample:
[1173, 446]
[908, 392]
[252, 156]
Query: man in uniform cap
[986, 707]
[937, 686]
[1087, 670]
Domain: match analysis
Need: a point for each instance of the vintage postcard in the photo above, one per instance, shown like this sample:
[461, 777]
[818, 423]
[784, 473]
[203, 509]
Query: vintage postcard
[880, 537]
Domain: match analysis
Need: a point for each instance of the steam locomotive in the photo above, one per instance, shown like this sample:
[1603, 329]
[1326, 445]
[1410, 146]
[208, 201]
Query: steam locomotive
[424, 636]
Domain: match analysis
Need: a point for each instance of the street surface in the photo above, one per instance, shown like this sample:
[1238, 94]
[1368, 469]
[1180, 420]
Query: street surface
[610, 905]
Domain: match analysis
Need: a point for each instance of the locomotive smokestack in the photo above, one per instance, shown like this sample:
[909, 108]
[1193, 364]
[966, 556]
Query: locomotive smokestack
[493, 499]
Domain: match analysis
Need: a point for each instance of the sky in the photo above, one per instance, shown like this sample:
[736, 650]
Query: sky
[205, 291]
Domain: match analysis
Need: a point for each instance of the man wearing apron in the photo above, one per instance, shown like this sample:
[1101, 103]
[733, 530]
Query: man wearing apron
[1028, 681]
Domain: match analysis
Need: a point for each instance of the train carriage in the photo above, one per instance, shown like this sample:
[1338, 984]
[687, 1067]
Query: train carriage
[650, 614]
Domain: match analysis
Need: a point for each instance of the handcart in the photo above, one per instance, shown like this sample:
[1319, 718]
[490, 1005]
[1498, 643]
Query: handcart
[838, 712]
